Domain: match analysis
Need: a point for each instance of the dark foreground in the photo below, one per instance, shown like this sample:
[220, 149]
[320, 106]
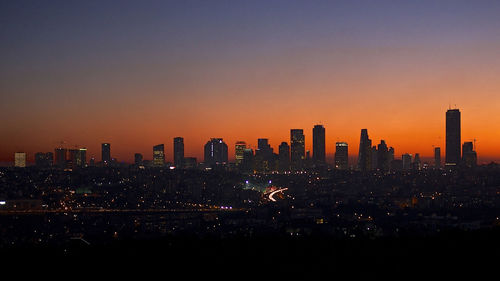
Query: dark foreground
[472, 254]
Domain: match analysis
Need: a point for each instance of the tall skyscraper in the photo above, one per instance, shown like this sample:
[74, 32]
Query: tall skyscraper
[215, 152]
[159, 155]
[284, 157]
[437, 157]
[341, 156]
[61, 157]
[20, 159]
[453, 137]
[179, 152]
[297, 149]
[319, 151]
[383, 157]
[365, 149]
[106, 153]
[239, 150]
[77, 158]
[417, 164]
[263, 160]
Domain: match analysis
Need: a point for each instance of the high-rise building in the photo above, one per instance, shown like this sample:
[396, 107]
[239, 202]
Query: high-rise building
[61, 157]
[264, 161]
[437, 157]
[365, 149]
[417, 164]
[341, 155]
[159, 155]
[469, 156]
[239, 150]
[284, 157]
[138, 159]
[453, 137]
[383, 156]
[77, 158]
[319, 151]
[190, 163]
[20, 159]
[407, 161]
[179, 152]
[106, 153]
[215, 152]
[297, 149]
[44, 160]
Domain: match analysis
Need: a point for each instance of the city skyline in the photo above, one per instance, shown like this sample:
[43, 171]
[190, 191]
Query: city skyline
[144, 76]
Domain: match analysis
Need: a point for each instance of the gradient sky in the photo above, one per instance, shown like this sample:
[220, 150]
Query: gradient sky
[139, 73]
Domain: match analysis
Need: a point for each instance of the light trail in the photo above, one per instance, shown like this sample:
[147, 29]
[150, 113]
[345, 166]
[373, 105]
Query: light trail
[274, 192]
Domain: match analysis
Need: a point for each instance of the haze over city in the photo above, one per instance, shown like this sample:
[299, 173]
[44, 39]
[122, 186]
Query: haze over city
[136, 74]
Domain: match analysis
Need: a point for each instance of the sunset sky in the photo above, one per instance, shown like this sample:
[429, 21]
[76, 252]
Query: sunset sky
[139, 73]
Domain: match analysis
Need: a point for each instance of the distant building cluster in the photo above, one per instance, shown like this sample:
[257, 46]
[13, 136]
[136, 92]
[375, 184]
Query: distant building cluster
[291, 156]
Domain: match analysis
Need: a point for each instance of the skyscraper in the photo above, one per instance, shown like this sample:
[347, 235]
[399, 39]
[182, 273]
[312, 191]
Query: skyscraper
[407, 162]
[284, 157]
[215, 152]
[20, 159]
[106, 153]
[437, 157]
[61, 157]
[297, 148]
[239, 150]
[319, 145]
[469, 156]
[383, 157]
[159, 155]
[179, 152]
[453, 137]
[77, 158]
[341, 155]
[138, 159]
[364, 156]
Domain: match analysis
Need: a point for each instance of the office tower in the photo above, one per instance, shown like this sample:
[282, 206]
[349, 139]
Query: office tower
[319, 151]
[391, 155]
[453, 139]
[437, 157]
[77, 158]
[417, 164]
[44, 160]
[341, 155]
[284, 157]
[189, 163]
[263, 160]
[297, 149]
[215, 152]
[469, 156]
[179, 152]
[364, 156]
[20, 159]
[61, 157]
[374, 158]
[383, 156]
[106, 153]
[247, 163]
[239, 149]
[138, 159]
[159, 155]
[407, 161]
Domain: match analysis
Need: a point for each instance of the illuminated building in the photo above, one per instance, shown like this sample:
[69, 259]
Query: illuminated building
[365, 149]
[453, 137]
[159, 155]
[297, 149]
[341, 155]
[319, 151]
[106, 153]
[178, 152]
[20, 159]
[284, 157]
[239, 149]
[215, 152]
[77, 158]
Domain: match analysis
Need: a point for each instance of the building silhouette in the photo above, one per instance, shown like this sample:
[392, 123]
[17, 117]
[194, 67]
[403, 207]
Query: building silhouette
[365, 152]
[341, 156]
[297, 149]
[77, 158]
[44, 159]
[179, 152]
[437, 157]
[61, 157]
[407, 161]
[159, 155]
[453, 137]
[215, 152]
[469, 156]
[239, 150]
[247, 163]
[138, 159]
[106, 153]
[284, 157]
[319, 151]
